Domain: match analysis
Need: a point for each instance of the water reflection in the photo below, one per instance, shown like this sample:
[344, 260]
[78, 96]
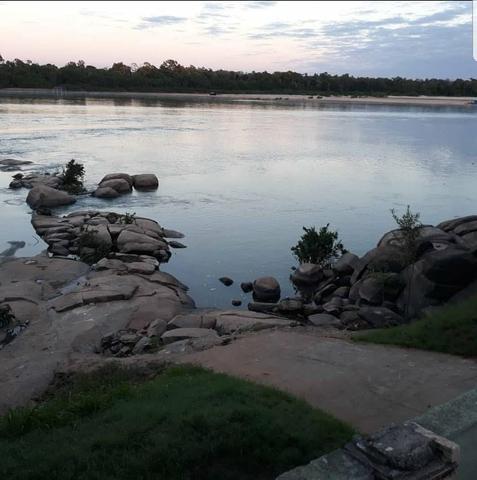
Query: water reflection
[242, 178]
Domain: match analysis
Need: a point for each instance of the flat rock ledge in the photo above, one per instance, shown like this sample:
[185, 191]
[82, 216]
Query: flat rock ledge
[93, 235]
[401, 452]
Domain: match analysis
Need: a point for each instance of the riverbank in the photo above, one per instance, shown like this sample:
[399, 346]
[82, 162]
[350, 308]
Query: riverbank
[426, 101]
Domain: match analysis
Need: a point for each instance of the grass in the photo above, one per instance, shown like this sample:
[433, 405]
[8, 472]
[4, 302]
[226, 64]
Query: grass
[452, 329]
[186, 423]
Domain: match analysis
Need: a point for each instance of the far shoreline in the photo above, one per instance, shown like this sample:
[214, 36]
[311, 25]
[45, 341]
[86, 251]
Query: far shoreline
[428, 101]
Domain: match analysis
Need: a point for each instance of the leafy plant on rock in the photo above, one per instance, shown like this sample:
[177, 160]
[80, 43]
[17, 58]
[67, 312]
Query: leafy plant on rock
[128, 218]
[73, 175]
[6, 316]
[409, 226]
[320, 247]
[91, 248]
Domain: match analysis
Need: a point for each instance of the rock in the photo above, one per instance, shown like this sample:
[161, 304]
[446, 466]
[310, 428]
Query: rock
[186, 333]
[11, 162]
[266, 289]
[146, 181]
[132, 242]
[119, 184]
[323, 319]
[157, 328]
[341, 292]
[262, 307]
[196, 319]
[236, 302]
[290, 305]
[142, 346]
[174, 244]
[324, 292]
[43, 196]
[311, 309]
[334, 306]
[246, 287]
[307, 274]
[172, 233]
[234, 322]
[351, 320]
[115, 176]
[129, 338]
[452, 266]
[98, 236]
[60, 250]
[382, 259]
[226, 281]
[371, 290]
[346, 263]
[380, 317]
[142, 268]
[106, 192]
[15, 184]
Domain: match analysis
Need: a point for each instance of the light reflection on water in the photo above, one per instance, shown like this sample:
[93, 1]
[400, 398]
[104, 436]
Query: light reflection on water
[241, 179]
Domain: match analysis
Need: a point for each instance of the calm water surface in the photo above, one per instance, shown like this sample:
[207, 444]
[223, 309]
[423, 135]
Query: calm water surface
[241, 179]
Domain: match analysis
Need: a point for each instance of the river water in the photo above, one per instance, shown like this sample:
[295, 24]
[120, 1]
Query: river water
[240, 179]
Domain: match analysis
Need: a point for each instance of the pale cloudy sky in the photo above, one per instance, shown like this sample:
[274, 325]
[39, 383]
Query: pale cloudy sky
[408, 38]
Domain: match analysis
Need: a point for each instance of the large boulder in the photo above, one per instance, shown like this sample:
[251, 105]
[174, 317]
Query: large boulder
[132, 242]
[380, 317]
[307, 274]
[43, 196]
[145, 181]
[266, 289]
[346, 263]
[187, 333]
[115, 176]
[118, 184]
[106, 192]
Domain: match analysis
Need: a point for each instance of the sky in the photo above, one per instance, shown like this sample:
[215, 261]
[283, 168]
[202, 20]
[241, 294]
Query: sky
[407, 38]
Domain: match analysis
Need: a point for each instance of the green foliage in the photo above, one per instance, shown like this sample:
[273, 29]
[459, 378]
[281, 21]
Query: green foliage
[91, 248]
[451, 329]
[73, 175]
[128, 218]
[318, 247]
[409, 225]
[171, 76]
[187, 423]
[6, 316]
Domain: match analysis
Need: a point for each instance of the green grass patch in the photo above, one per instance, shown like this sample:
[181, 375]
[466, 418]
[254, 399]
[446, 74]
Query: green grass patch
[452, 329]
[186, 423]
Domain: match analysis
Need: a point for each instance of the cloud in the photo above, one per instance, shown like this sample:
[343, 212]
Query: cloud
[161, 21]
[263, 4]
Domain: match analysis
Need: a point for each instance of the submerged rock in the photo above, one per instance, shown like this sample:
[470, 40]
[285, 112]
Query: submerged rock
[227, 281]
[145, 181]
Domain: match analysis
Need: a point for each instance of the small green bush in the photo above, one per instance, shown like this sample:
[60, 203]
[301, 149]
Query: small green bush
[409, 225]
[318, 247]
[73, 175]
[128, 218]
[6, 316]
[91, 249]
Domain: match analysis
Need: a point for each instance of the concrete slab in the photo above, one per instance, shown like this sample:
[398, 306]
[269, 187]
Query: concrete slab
[368, 386]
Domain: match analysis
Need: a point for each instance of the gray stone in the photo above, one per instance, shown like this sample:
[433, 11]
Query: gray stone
[157, 328]
[172, 233]
[266, 289]
[196, 319]
[115, 176]
[233, 322]
[142, 268]
[307, 274]
[323, 319]
[236, 302]
[372, 290]
[227, 281]
[145, 181]
[246, 287]
[174, 244]
[186, 333]
[341, 292]
[452, 266]
[43, 196]
[11, 162]
[290, 305]
[346, 263]
[142, 345]
[380, 317]
[106, 192]
[119, 184]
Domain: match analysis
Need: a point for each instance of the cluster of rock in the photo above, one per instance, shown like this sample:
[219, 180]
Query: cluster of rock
[116, 184]
[194, 330]
[94, 235]
[381, 288]
[12, 164]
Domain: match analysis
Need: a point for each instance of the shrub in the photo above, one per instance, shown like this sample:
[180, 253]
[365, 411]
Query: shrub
[321, 247]
[73, 175]
[91, 249]
[409, 225]
[128, 218]
[6, 316]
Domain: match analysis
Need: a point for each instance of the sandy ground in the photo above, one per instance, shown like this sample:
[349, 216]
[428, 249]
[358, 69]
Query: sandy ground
[390, 100]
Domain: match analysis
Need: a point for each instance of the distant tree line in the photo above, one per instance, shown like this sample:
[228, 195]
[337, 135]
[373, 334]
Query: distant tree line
[173, 77]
